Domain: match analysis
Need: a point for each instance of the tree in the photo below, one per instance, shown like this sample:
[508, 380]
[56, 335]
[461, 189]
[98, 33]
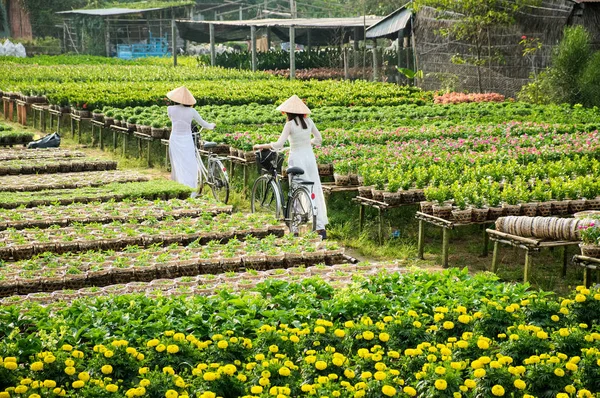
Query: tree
[472, 22]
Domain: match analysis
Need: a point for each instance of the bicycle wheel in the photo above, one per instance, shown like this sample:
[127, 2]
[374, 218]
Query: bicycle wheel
[301, 215]
[218, 180]
[265, 197]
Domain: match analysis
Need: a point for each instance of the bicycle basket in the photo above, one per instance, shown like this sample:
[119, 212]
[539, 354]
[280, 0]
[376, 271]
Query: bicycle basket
[269, 160]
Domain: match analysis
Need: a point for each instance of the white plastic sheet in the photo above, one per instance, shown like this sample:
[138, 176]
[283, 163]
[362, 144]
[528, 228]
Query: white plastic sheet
[12, 50]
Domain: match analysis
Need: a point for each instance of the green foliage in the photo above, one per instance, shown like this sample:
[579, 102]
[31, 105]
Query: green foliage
[589, 81]
[568, 63]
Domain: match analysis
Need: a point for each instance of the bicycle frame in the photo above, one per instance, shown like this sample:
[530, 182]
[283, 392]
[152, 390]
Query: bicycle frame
[206, 171]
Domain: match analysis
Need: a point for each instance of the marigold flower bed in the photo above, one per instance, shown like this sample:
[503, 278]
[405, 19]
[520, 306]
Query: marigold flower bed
[415, 334]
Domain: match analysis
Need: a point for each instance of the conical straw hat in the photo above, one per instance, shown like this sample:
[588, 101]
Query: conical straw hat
[294, 105]
[182, 96]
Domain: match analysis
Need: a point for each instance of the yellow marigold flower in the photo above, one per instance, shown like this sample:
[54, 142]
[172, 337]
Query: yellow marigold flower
[84, 376]
[366, 375]
[580, 298]
[77, 354]
[337, 361]
[70, 370]
[67, 347]
[153, 343]
[171, 394]
[456, 395]
[321, 365]
[173, 348]
[388, 390]
[10, 365]
[35, 396]
[368, 335]
[571, 366]
[477, 364]
[520, 384]
[448, 325]
[441, 384]
[69, 362]
[222, 344]
[319, 329]
[304, 388]
[112, 388]
[106, 369]
[37, 366]
[417, 324]
[440, 370]
[384, 337]
[479, 373]
[495, 365]
[4, 394]
[570, 389]
[273, 348]
[264, 381]
[559, 372]
[49, 383]
[21, 389]
[294, 338]
[462, 344]
[168, 370]
[349, 373]
[380, 376]
[26, 381]
[256, 389]
[78, 384]
[498, 390]
[469, 383]
[209, 376]
[482, 344]
[408, 390]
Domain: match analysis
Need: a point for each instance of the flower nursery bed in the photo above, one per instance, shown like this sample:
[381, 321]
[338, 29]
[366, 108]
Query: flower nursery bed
[155, 189]
[49, 272]
[63, 165]
[410, 334]
[41, 153]
[208, 284]
[106, 212]
[68, 180]
[24, 243]
[11, 137]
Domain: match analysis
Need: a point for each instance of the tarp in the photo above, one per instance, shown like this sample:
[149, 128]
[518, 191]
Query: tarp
[322, 30]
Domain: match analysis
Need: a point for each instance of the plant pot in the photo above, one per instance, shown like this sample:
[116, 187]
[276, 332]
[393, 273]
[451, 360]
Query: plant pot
[593, 204]
[408, 196]
[377, 194]
[353, 179]
[544, 209]
[511, 210]
[392, 198]
[590, 250]
[479, 215]
[560, 207]
[462, 216]
[341, 179]
[577, 206]
[156, 132]
[365, 192]
[444, 211]
[529, 209]
[325, 169]
[494, 213]
[426, 207]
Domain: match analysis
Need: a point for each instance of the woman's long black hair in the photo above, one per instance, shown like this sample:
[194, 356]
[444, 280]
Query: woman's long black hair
[295, 117]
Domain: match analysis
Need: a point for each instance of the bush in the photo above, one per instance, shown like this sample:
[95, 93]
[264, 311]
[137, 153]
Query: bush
[589, 82]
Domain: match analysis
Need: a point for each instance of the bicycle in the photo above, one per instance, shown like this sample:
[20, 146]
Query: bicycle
[215, 173]
[300, 211]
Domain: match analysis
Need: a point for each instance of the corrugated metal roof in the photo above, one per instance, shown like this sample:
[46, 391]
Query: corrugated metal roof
[587, 1]
[326, 30]
[298, 22]
[390, 25]
[107, 12]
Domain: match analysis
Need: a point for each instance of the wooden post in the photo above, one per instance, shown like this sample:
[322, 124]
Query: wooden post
[292, 52]
[125, 145]
[346, 72]
[486, 240]
[174, 39]
[114, 140]
[107, 36]
[241, 13]
[445, 242]
[100, 138]
[213, 55]
[361, 217]
[72, 127]
[355, 47]
[495, 258]
[587, 277]
[79, 131]
[565, 261]
[528, 264]
[380, 226]
[375, 62]
[309, 40]
[268, 39]
[400, 52]
[253, 46]
[421, 241]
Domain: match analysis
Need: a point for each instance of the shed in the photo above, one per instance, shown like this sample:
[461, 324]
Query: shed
[307, 31]
[124, 32]
[587, 14]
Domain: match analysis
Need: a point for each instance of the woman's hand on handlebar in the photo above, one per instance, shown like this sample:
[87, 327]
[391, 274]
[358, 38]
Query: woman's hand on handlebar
[257, 147]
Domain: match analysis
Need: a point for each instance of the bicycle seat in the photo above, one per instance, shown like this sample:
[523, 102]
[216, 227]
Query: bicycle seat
[209, 144]
[295, 171]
